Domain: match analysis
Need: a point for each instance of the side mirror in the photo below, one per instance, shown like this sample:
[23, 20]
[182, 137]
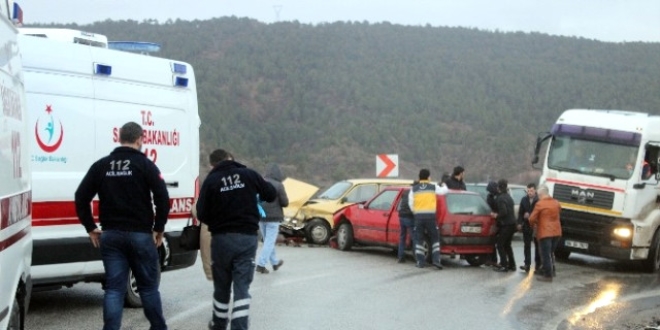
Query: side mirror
[343, 200]
[540, 138]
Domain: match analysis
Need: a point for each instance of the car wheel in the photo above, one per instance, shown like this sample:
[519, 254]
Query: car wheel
[318, 231]
[562, 254]
[15, 320]
[345, 236]
[652, 262]
[428, 256]
[477, 260]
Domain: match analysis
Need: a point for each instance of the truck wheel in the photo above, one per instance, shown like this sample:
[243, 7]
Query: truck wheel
[345, 236]
[652, 262]
[477, 260]
[15, 319]
[318, 231]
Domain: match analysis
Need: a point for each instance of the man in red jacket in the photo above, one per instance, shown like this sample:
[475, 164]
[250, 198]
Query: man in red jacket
[545, 218]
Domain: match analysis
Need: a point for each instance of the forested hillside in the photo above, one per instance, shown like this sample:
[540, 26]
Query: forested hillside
[323, 100]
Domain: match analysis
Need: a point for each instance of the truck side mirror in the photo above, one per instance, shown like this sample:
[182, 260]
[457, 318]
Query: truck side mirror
[540, 138]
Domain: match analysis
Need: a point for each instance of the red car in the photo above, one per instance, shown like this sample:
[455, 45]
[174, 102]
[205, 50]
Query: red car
[463, 218]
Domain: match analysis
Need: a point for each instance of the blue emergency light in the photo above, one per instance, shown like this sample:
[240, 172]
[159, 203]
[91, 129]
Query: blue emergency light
[180, 82]
[179, 68]
[103, 69]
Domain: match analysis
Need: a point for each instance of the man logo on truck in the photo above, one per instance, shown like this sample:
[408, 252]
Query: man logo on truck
[50, 129]
[582, 195]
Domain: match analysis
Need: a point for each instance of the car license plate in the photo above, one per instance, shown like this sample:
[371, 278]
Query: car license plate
[577, 245]
[471, 229]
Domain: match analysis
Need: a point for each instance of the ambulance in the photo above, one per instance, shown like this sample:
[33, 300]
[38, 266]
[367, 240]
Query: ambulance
[15, 186]
[79, 94]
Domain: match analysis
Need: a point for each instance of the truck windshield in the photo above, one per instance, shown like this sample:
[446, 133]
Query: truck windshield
[336, 190]
[593, 157]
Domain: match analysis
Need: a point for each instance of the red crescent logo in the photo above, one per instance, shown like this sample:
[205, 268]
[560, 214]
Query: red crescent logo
[45, 147]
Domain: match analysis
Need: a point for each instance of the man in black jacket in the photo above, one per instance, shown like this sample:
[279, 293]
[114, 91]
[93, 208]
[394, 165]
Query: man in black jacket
[524, 210]
[506, 221]
[455, 182]
[228, 204]
[125, 181]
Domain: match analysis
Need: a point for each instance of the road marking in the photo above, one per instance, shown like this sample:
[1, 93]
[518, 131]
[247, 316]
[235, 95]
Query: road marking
[188, 313]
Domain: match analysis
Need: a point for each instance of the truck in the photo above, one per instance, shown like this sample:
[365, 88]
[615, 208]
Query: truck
[79, 94]
[15, 180]
[603, 168]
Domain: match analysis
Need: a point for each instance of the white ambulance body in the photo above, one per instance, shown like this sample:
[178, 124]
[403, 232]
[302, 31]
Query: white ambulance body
[15, 188]
[78, 98]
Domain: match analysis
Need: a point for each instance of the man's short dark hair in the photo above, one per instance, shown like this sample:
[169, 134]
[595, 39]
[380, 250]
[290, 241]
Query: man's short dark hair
[502, 184]
[130, 132]
[424, 174]
[219, 155]
[458, 170]
[531, 185]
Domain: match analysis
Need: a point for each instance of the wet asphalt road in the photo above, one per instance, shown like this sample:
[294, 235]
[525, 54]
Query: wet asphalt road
[323, 288]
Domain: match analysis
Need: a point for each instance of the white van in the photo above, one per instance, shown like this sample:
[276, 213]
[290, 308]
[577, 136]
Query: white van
[78, 96]
[15, 188]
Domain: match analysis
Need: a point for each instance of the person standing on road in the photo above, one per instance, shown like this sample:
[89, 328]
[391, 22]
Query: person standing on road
[524, 210]
[270, 225]
[506, 221]
[491, 199]
[545, 218]
[406, 225]
[125, 181]
[422, 200]
[228, 205]
[455, 182]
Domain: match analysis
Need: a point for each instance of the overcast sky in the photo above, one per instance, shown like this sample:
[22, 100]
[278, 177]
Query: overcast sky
[606, 20]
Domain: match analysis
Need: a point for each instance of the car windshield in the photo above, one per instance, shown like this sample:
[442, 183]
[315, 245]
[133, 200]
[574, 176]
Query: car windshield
[598, 158]
[336, 190]
[467, 204]
[481, 189]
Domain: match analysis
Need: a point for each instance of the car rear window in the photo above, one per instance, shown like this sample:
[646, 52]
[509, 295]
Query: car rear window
[467, 204]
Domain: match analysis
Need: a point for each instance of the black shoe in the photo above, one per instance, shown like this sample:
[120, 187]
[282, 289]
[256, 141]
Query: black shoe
[525, 268]
[419, 265]
[211, 325]
[401, 261]
[261, 269]
[501, 269]
[512, 268]
[438, 265]
[279, 264]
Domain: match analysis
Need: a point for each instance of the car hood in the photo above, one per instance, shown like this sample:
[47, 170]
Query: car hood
[299, 193]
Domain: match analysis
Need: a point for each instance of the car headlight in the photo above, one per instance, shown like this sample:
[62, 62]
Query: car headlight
[622, 232]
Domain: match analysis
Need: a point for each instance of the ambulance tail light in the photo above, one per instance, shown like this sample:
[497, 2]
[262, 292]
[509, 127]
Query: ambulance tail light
[195, 221]
[102, 69]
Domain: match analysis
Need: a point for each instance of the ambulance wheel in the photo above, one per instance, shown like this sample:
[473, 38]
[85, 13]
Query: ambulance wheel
[15, 320]
[132, 298]
[318, 231]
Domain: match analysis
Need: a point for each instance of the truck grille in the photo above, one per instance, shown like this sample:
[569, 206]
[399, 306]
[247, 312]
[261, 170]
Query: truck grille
[585, 227]
[588, 197]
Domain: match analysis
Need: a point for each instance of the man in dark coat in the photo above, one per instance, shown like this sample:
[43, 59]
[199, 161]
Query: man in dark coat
[270, 225]
[506, 221]
[455, 182]
[524, 211]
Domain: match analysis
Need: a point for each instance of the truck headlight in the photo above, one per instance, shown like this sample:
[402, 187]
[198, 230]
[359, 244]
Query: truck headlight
[622, 232]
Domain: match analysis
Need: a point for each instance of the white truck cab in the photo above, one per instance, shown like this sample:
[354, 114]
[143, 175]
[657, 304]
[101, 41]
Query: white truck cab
[603, 167]
[79, 94]
[15, 182]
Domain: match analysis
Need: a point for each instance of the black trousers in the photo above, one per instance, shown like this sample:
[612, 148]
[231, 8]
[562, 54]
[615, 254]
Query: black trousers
[504, 246]
[528, 238]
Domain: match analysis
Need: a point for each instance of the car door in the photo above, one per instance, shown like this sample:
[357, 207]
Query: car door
[374, 216]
